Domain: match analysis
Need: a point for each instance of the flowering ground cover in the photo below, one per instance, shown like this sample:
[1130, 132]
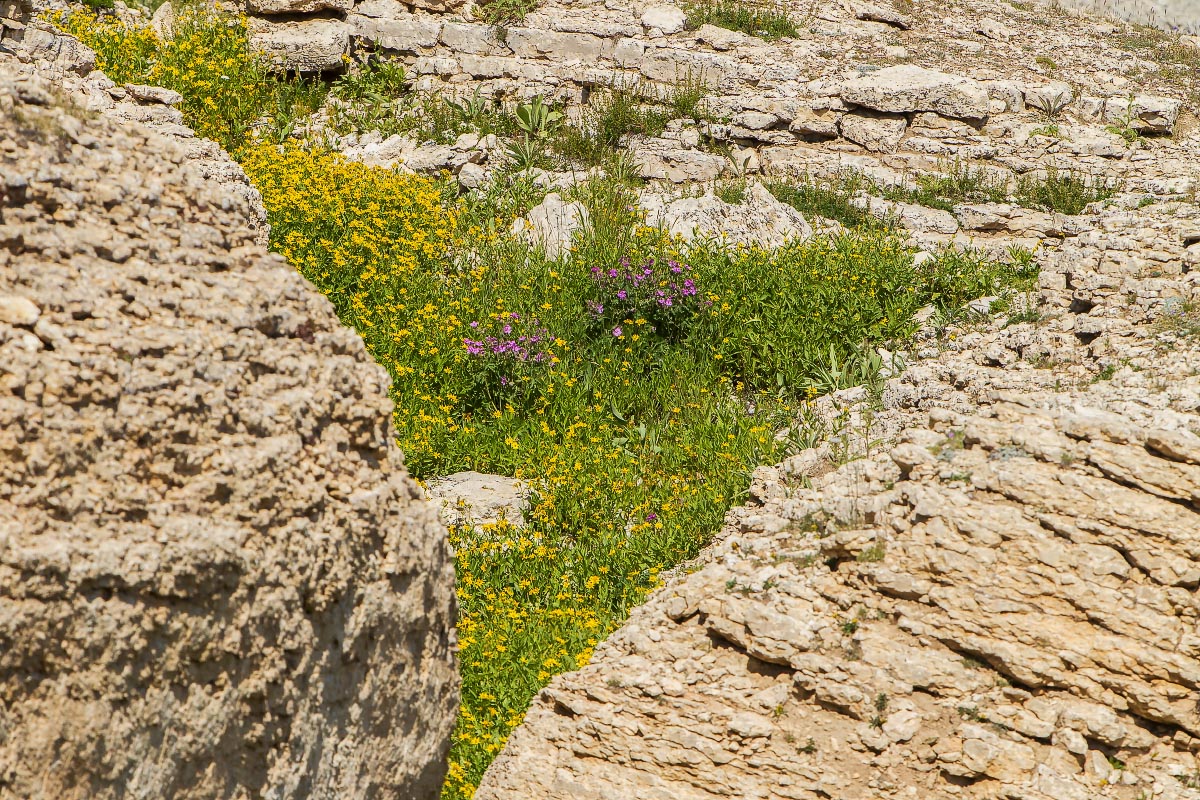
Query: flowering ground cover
[634, 382]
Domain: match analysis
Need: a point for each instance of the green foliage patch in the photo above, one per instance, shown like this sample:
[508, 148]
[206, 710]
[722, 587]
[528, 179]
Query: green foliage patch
[763, 19]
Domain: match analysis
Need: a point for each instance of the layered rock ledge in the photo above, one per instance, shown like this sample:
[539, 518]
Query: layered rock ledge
[216, 579]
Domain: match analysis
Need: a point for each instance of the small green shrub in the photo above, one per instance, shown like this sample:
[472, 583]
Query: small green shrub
[505, 12]
[732, 191]
[832, 199]
[612, 115]
[685, 96]
[761, 19]
[960, 183]
[1061, 191]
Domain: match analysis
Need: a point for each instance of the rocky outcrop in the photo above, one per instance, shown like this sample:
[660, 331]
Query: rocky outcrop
[758, 219]
[905, 94]
[216, 579]
[1003, 605]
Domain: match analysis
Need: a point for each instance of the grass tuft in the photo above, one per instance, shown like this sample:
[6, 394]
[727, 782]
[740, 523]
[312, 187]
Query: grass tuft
[762, 19]
[833, 199]
[1062, 191]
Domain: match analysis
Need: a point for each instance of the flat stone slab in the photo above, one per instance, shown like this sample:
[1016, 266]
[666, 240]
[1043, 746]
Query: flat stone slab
[476, 498]
[906, 88]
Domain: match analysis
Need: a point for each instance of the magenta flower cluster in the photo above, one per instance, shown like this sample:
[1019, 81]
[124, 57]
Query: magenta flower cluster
[662, 292]
[515, 339]
[513, 343]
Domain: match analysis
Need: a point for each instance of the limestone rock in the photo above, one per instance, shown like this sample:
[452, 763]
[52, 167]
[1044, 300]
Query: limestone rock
[473, 498]
[394, 28]
[18, 310]
[1144, 113]
[297, 6]
[879, 133]
[759, 220]
[673, 160]
[990, 606]
[154, 94]
[373, 149]
[163, 21]
[216, 579]
[304, 45]
[666, 18]
[720, 38]
[881, 13]
[907, 88]
[63, 52]
[471, 176]
[552, 224]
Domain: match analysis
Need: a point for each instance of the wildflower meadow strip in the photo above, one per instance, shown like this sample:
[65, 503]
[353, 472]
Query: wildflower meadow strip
[634, 384]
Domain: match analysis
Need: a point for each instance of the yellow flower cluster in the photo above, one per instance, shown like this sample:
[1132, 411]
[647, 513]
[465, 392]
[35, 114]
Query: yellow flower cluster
[228, 92]
[125, 54]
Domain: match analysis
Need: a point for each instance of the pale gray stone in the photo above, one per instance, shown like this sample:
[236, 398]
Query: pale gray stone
[553, 223]
[759, 220]
[405, 33]
[907, 88]
[664, 17]
[879, 133]
[17, 310]
[307, 45]
[475, 498]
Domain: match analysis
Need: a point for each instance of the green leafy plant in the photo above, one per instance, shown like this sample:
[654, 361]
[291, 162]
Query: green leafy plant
[762, 19]
[1063, 191]
[536, 119]
[505, 12]
[732, 191]
[525, 153]
[470, 110]
[1051, 106]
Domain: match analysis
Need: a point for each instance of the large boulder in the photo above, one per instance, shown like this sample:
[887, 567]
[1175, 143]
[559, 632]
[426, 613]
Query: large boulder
[1003, 605]
[304, 45]
[216, 579]
[759, 220]
[906, 88]
[552, 224]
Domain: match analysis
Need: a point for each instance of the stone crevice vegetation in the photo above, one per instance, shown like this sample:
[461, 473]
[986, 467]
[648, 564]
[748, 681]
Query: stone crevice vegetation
[634, 382]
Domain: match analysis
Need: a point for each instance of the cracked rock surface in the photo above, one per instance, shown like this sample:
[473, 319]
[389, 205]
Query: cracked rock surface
[216, 579]
[1003, 603]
